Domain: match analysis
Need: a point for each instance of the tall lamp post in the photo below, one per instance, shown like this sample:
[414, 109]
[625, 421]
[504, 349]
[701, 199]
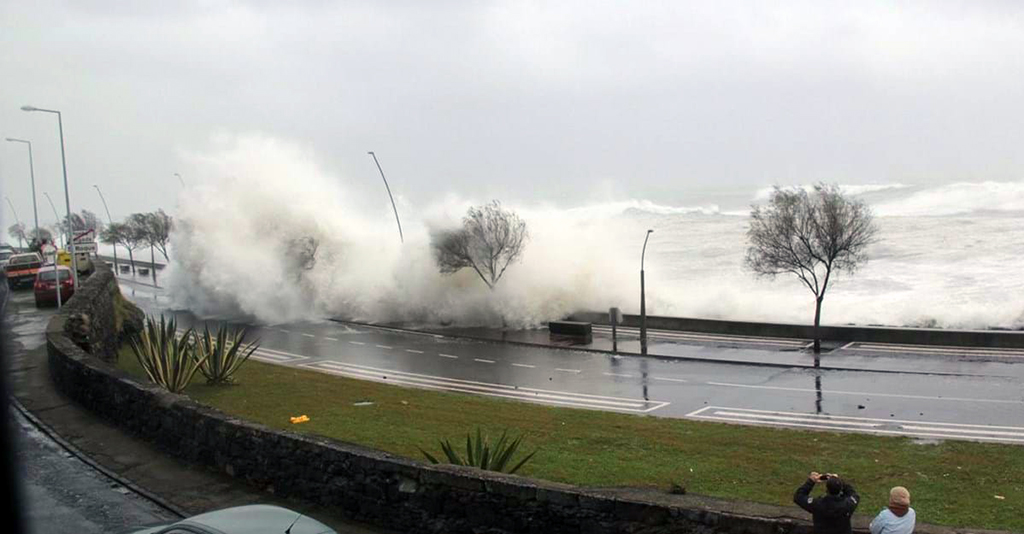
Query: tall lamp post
[67, 196]
[180, 180]
[60, 227]
[400, 236]
[32, 176]
[643, 298]
[111, 221]
[21, 240]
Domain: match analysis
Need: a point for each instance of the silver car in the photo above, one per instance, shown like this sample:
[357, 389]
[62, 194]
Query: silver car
[253, 519]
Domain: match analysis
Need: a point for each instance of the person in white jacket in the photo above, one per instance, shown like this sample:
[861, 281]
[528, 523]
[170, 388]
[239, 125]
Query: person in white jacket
[898, 517]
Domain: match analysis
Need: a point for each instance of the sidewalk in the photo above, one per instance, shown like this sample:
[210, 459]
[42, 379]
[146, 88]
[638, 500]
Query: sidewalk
[189, 489]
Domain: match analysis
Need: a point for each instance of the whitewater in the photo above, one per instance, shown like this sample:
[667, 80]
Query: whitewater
[948, 255]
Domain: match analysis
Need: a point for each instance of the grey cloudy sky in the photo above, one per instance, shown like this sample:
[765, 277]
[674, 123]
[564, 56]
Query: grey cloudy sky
[555, 101]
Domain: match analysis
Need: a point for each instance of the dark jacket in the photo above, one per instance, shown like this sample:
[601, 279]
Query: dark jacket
[831, 512]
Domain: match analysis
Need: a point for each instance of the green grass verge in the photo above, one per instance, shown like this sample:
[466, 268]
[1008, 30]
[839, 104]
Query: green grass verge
[952, 483]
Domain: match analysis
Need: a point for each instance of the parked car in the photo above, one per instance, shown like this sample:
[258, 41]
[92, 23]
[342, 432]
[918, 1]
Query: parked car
[5, 254]
[253, 519]
[21, 269]
[46, 283]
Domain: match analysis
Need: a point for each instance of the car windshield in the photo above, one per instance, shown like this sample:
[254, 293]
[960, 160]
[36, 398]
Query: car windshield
[49, 276]
[5, 254]
[20, 260]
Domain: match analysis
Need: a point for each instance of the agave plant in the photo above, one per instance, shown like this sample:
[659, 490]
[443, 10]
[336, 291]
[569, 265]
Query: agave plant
[484, 454]
[168, 359]
[222, 354]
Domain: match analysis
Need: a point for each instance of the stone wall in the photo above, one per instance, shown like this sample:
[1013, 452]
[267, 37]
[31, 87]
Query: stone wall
[90, 317]
[871, 334]
[370, 485]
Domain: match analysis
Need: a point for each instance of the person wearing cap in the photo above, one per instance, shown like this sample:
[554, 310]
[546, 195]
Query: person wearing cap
[898, 517]
[831, 512]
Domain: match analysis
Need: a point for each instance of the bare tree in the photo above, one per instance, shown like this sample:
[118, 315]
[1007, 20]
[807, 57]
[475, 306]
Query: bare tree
[127, 236]
[491, 239]
[157, 227]
[811, 236]
[17, 231]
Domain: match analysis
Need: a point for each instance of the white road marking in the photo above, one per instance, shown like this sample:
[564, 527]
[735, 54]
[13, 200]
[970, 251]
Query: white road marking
[862, 424]
[577, 371]
[669, 379]
[846, 346]
[308, 335]
[618, 374]
[938, 349]
[357, 342]
[524, 365]
[867, 394]
[452, 356]
[414, 351]
[330, 338]
[277, 356]
[383, 347]
[285, 331]
[484, 388]
[482, 360]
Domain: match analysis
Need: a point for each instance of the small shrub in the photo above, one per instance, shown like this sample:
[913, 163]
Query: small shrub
[221, 354]
[168, 360]
[483, 454]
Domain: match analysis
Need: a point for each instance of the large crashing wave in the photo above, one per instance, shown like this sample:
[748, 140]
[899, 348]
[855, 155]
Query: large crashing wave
[948, 255]
[235, 252]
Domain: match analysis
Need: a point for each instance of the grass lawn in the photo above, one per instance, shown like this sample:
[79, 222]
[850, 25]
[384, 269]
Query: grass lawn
[952, 483]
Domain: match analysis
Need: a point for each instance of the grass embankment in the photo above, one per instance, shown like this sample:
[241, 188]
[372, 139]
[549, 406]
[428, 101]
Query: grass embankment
[952, 483]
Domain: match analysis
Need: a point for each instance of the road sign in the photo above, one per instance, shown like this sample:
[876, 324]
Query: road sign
[86, 247]
[87, 236]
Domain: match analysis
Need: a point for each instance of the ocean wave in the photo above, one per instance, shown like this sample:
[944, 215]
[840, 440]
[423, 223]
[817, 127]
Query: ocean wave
[850, 189]
[956, 199]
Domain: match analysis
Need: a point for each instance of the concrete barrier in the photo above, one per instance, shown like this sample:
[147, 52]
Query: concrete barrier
[870, 334]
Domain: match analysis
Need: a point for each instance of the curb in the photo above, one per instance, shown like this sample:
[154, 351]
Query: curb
[634, 354]
[84, 458]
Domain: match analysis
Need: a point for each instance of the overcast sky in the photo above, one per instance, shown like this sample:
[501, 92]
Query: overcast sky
[564, 102]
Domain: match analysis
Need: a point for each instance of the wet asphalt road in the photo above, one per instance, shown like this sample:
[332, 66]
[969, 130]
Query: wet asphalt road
[65, 495]
[925, 396]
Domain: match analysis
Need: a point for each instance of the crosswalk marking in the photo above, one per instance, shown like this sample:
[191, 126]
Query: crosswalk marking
[870, 425]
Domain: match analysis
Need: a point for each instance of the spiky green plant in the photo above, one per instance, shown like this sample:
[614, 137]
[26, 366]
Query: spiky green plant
[169, 360]
[483, 454]
[223, 353]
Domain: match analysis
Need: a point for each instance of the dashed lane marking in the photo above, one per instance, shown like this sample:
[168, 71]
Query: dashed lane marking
[357, 342]
[669, 379]
[383, 347]
[543, 396]
[623, 375]
[577, 371]
[524, 365]
[481, 360]
[414, 351]
[867, 394]
[869, 425]
[697, 336]
[308, 335]
[452, 356]
[330, 338]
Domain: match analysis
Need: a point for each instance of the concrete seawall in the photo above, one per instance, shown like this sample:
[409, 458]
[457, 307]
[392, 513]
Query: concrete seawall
[870, 334]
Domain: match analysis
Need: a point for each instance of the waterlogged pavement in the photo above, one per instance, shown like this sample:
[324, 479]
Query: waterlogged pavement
[946, 397]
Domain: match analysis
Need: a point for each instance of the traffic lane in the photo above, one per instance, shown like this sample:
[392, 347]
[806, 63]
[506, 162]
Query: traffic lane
[65, 495]
[686, 385]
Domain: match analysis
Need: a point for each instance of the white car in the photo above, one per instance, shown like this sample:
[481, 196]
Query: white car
[253, 519]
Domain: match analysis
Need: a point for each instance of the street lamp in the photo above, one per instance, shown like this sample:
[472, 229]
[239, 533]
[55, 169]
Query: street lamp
[60, 232]
[111, 220]
[180, 180]
[32, 176]
[67, 196]
[643, 298]
[400, 236]
[21, 241]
